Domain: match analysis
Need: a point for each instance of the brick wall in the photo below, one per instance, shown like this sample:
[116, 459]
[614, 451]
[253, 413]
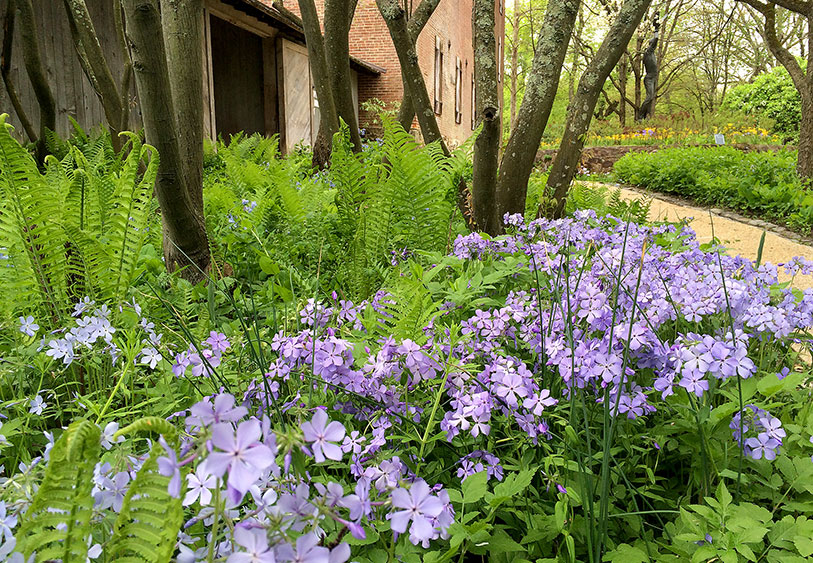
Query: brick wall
[451, 24]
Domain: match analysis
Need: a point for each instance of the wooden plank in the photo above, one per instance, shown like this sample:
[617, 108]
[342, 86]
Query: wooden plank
[281, 115]
[297, 93]
[270, 86]
[238, 18]
[209, 125]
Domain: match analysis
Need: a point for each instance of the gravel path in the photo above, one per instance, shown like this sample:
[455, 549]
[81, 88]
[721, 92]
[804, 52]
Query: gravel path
[739, 234]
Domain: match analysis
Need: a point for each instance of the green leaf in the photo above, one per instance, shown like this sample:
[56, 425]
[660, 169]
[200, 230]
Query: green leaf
[475, 487]
[804, 545]
[625, 553]
[501, 542]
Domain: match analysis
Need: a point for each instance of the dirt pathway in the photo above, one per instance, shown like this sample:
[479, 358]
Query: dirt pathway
[739, 234]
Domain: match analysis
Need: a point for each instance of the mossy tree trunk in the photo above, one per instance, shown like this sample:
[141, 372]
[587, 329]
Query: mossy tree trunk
[802, 77]
[541, 85]
[581, 107]
[36, 74]
[178, 187]
[394, 15]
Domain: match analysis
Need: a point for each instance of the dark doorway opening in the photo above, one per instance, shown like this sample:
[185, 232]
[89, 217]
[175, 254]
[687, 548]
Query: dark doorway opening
[244, 94]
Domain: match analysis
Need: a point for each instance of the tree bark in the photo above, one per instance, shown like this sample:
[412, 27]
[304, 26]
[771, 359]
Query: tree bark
[487, 110]
[95, 66]
[581, 108]
[36, 74]
[183, 28]
[395, 17]
[802, 78]
[337, 19]
[541, 85]
[650, 59]
[185, 242]
[328, 117]
[623, 75]
[514, 62]
[5, 68]
[415, 24]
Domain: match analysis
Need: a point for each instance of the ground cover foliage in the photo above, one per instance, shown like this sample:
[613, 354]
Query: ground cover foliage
[763, 184]
[361, 379]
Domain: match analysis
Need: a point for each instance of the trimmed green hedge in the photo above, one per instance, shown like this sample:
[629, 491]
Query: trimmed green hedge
[762, 184]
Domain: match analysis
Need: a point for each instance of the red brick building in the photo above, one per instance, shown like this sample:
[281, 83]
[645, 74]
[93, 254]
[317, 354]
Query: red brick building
[445, 55]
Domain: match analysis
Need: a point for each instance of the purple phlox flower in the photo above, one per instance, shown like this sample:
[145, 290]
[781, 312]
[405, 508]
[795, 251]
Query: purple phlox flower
[94, 550]
[7, 522]
[199, 486]
[108, 432]
[168, 467]
[693, 382]
[37, 405]
[218, 342]
[322, 436]
[204, 413]
[308, 550]
[665, 384]
[763, 446]
[419, 506]
[353, 443]
[772, 427]
[61, 349]
[28, 326]
[150, 356]
[242, 455]
[254, 544]
[82, 306]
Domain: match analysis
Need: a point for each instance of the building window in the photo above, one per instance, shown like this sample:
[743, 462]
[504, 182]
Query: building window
[438, 76]
[458, 91]
[473, 107]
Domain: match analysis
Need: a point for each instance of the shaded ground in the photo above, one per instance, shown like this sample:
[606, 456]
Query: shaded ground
[740, 235]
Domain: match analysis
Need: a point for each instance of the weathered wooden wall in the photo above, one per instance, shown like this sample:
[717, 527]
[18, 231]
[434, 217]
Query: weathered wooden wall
[72, 91]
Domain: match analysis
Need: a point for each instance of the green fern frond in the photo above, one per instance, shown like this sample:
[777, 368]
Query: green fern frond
[57, 524]
[147, 526]
[29, 224]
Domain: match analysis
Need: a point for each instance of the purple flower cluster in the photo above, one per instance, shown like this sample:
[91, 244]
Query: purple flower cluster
[204, 358]
[761, 434]
[232, 468]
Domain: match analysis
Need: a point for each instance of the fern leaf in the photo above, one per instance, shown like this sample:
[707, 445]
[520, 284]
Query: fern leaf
[147, 526]
[57, 524]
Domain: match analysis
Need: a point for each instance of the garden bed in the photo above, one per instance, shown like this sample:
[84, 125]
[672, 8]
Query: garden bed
[600, 160]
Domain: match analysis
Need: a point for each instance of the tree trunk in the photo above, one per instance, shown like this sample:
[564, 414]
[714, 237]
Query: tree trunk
[514, 62]
[804, 160]
[95, 65]
[487, 108]
[395, 17]
[5, 68]
[647, 107]
[36, 74]
[337, 19]
[417, 20]
[802, 78]
[580, 111]
[637, 72]
[185, 243]
[541, 85]
[328, 117]
[623, 75]
[183, 24]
